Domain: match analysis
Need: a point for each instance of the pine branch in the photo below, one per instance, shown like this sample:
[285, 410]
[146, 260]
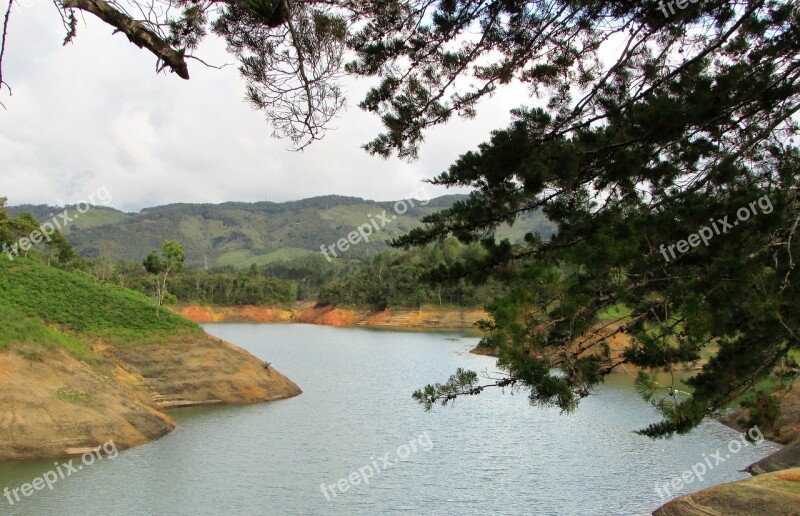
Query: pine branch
[462, 383]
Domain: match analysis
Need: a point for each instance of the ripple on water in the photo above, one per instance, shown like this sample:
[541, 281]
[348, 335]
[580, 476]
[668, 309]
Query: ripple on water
[492, 453]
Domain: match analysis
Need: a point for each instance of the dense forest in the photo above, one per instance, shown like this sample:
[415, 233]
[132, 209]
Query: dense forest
[269, 253]
[389, 278]
[238, 234]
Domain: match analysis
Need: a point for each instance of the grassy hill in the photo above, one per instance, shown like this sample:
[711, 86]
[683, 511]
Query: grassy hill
[237, 234]
[82, 363]
[46, 307]
[33, 295]
[96, 216]
[18, 329]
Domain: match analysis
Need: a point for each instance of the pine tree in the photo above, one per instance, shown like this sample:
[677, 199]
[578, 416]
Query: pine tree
[672, 178]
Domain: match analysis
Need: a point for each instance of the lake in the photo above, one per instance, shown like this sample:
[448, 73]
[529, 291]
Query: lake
[356, 443]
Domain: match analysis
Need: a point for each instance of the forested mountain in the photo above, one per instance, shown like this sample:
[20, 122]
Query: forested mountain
[239, 234]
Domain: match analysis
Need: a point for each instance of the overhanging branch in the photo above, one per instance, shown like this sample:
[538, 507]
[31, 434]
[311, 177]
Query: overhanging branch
[3, 49]
[137, 33]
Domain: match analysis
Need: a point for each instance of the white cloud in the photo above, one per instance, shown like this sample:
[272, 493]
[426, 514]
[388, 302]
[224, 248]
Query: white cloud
[95, 114]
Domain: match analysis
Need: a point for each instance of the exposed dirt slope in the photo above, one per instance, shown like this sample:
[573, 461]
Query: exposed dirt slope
[773, 493]
[202, 370]
[53, 405]
[427, 317]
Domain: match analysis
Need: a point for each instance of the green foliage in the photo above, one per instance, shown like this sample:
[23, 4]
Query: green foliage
[308, 273]
[399, 281]
[5, 232]
[60, 249]
[763, 410]
[388, 279]
[693, 126]
[81, 398]
[395, 280]
[25, 226]
[222, 288]
[615, 312]
[272, 12]
[26, 334]
[462, 381]
[171, 261]
[76, 303]
[153, 263]
[238, 234]
[173, 256]
[96, 216]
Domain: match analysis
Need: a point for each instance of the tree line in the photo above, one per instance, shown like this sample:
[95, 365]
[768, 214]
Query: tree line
[388, 279]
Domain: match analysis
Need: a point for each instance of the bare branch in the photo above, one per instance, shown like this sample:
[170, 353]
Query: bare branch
[3, 50]
[137, 33]
[217, 67]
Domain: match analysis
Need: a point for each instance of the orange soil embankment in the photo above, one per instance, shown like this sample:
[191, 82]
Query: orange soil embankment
[54, 405]
[247, 313]
[426, 317]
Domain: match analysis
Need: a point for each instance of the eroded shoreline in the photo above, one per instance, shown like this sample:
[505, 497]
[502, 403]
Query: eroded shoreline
[309, 313]
[56, 406]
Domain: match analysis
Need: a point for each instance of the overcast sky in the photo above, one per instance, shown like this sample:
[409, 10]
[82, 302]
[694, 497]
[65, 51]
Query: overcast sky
[94, 114]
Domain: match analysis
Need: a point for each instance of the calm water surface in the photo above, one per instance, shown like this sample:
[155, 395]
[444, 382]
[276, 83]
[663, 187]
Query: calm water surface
[489, 454]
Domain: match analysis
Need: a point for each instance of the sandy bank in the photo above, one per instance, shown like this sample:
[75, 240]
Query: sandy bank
[54, 405]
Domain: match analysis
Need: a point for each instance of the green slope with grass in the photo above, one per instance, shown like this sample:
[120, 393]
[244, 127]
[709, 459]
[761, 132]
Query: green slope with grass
[96, 216]
[82, 362]
[35, 299]
[21, 331]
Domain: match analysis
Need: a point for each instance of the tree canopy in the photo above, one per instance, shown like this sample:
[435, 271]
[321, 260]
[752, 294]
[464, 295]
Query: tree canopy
[648, 126]
[20, 234]
[171, 261]
[689, 133]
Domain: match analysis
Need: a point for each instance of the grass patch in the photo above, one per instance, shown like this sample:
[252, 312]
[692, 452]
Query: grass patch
[139, 338]
[43, 307]
[76, 302]
[97, 216]
[73, 396]
[616, 311]
[28, 336]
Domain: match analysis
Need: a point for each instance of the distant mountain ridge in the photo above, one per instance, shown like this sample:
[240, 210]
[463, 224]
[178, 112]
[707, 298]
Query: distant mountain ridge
[238, 234]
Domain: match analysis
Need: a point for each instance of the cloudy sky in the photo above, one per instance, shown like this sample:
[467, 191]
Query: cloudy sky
[95, 114]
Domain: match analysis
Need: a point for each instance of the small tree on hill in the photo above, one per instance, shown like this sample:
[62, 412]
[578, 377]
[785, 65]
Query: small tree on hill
[171, 260]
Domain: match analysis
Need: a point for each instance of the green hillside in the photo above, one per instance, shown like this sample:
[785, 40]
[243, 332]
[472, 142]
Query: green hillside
[37, 302]
[18, 329]
[238, 234]
[96, 216]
